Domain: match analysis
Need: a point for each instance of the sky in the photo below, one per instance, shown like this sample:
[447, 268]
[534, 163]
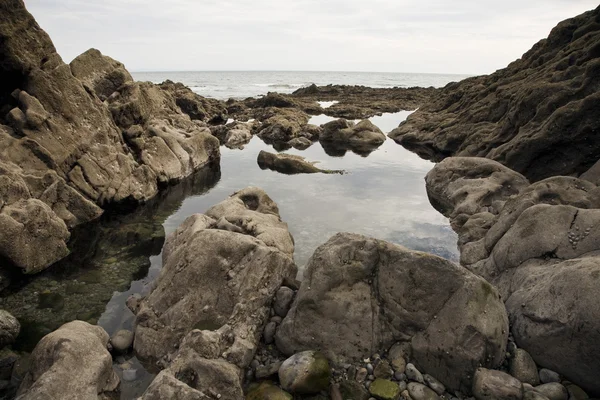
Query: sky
[427, 36]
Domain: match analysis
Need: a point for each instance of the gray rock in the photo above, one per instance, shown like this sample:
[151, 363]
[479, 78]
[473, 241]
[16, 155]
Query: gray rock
[533, 395]
[523, 368]
[383, 370]
[402, 385]
[9, 328]
[496, 385]
[353, 390]
[361, 374]
[434, 384]
[283, 301]
[553, 391]
[305, 373]
[419, 391]
[548, 376]
[400, 376]
[82, 350]
[338, 279]
[263, 372]
[269, 332]
[7, 361]
[289, 164]
[122, 341]
[413, 374]
[129, 375]
[576, 393]
[396, 357]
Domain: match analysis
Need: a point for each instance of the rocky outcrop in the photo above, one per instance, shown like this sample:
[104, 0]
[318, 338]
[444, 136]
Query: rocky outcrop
[538, 116]
[283, 125]
[361, 138]
[204, 318]
[361, 295]
[70, 363]
[539, 244]
[290, 164]
[234, 135]
[63, 156]
[197, 107]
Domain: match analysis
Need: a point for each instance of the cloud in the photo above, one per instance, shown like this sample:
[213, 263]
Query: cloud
[461, 36]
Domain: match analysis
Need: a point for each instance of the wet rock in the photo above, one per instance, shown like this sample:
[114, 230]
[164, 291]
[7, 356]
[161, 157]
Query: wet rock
[523, 368]
[486, 115]
[289, 164]
[9, 328]
[419, 391]
[413, 374]
[300, 143]
[363, 135]
[122, 341]
[434, 384]
[267, 391]
[347, 328]
[82, 348]
[283, 125]
[553, 391]
[548, 376]
[383, 389]
[496, 385]
[305, 373]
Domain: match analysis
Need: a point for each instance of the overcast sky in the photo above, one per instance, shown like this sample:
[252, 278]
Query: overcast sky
[457, 36]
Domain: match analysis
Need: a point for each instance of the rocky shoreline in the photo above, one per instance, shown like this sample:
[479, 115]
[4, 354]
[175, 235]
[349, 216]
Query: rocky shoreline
[518, 319]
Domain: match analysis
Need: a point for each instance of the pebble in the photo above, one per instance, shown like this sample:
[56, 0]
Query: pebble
[418, 391]
[399, 376]
[283, 301]
[269, 332]
[277, 319]
[129, 375]
[434, 384]
[255, 363]
[361, 375]
[523, 368]
[122, 341]
[370, 368]
[413, 374]
[553, 391]
[403, 386]
[548, 376]
[383, 370]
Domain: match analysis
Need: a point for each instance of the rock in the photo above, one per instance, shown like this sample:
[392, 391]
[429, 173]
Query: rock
[396, 357]
[300, 143]
[533, 395]
[9, 328]
[361, 374]
[400, 376]
[75, 346]
[283, 301]
[129, 375]
[195, 106]
[419, 391]
[363, 137]
[383, 370]
[413, 374]
[434, 384]
[267, 391]
[122, 341]
[100, 73]
[269, 332]
[7, 361]
[548, 376]
[305, 373]
[485, 115]
[283, 125]
[218, 279]
[289, 164]
[383, 389]
[20, 369]
[402, 385]
[523, 368]
[334, 309]
[576, 393]
[353, 390]
[496, 385]
[267, 371]
[553, 391]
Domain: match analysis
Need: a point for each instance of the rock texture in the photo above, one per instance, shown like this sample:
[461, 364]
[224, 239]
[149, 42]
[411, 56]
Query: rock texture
[205, 316]
[290, 164]
[538, 116]
[540, 245]
[361, 138]
[361, 295]
[70, 363]
[65, 154]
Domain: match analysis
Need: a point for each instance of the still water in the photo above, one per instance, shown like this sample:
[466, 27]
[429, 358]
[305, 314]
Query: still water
[382, 195]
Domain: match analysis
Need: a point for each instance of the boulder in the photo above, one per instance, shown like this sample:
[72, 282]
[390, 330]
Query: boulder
[9, 328]
[496, 385]
[360, 295]
[70, 363]
[305, 373]
[283, 125]
[528, 115]
[362, 137]
[289, 164]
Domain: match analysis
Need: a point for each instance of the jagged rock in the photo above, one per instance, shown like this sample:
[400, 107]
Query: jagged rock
[496, 385]
[70, 363]
[100, 73]
[289, 164]
[9, 328]
[214, 278]
[337, 309]
[197, 107]
[537, 116]
[531, 242]
[305, 373]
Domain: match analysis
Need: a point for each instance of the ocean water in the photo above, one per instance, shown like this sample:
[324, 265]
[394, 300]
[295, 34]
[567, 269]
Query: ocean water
[382, 195]
[241, 84]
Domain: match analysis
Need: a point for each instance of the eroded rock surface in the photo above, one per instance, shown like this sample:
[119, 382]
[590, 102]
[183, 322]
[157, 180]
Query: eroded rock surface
[540, 245]
[362, 137]
[538, 116]
[290, 164]
[361, 295]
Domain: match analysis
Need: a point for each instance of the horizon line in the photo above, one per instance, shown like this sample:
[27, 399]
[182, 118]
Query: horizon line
[285, 70]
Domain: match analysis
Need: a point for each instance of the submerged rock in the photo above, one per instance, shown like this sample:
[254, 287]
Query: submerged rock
[70, 363]
[290, 164]
[360, 295]
[121, 341]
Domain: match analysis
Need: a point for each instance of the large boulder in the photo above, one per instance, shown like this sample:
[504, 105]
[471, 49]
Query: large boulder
[70, 363]
[341, 135]
[538, 244]
[361, 295]
[538, 116]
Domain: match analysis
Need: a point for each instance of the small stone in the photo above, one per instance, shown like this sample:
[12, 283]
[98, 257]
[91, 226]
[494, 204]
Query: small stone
[7, 360]
[334, 392]
[122, 341]
[351, 373]
[576, 393]
[553, 391]
[511, 348]
[527, 387]
[371, 377]
[405, 395]
[255, 363]
[396, 357]
[269, 332]
[384, 389]
[361, 375]
[413, 374]
[370, 368]
[434, 384]
[496, 385]
[523, 368]
[9, 328]
[267, 390]
[129, 375]
[399, 376]
[307, 372]
[283, 301]
[419, 391]
[277, 319]
[263, 372]
[383, 370]
[403, 386]
[549, 376]
[353, 390]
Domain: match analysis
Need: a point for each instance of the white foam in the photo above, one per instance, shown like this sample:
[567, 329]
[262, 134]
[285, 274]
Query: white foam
[327, 104]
